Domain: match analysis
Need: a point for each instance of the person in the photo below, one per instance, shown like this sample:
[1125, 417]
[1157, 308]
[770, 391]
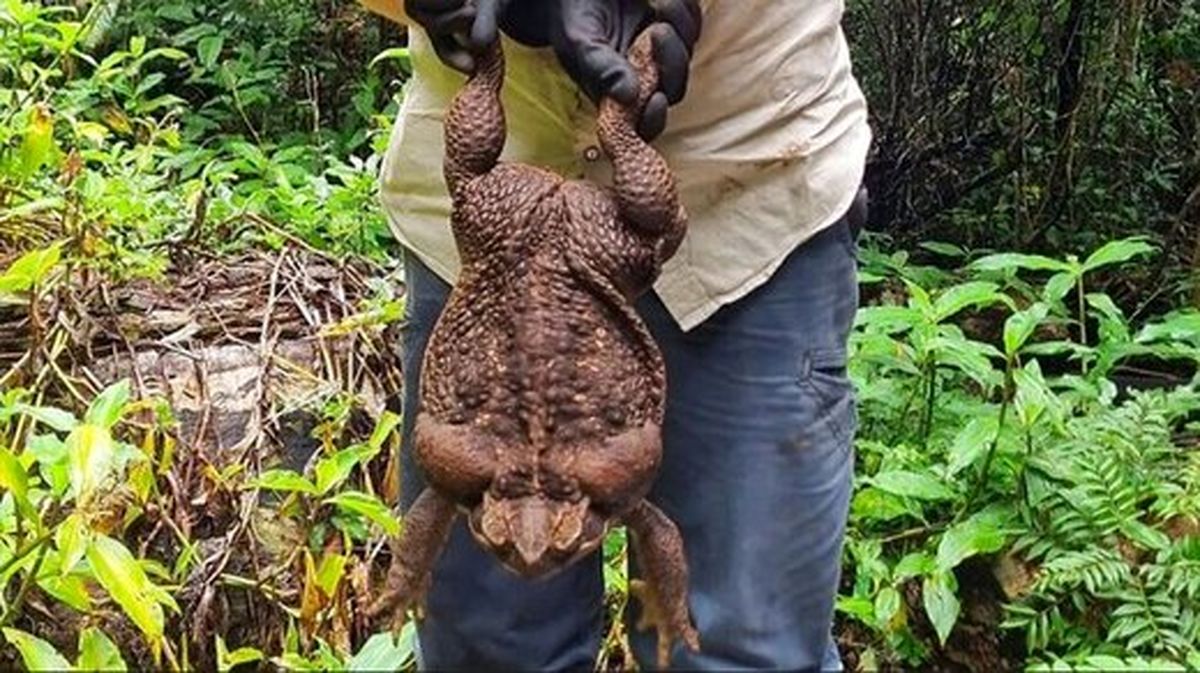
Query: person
[761, 118]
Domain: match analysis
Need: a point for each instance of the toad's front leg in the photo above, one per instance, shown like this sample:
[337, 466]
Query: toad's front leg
[663, 591]
[426, 529]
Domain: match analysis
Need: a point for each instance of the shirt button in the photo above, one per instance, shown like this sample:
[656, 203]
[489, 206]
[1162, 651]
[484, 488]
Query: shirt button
[592, 153]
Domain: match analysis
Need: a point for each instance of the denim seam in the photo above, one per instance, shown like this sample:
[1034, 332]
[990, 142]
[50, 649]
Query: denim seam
[826, 358]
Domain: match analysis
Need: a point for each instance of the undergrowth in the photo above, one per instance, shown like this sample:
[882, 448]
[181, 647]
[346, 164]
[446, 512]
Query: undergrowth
[1025, 443]
[1033, 456]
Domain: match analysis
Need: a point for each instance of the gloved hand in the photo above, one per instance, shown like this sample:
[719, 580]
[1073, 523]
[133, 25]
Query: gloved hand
[458, 29]
[591, 37]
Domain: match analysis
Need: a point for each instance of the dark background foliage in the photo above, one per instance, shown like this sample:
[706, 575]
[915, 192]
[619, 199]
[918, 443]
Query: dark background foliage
[1046, 126]
[1028, 480]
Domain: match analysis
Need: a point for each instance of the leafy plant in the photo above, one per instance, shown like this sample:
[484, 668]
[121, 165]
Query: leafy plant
[330, 474]
[76, 463]
[1090, 475]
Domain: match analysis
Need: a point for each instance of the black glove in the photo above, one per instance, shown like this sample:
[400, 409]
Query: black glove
[591, 37]
[458, 29]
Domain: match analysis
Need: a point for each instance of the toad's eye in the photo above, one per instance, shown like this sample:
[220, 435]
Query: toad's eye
[514, 484]
[559, 487]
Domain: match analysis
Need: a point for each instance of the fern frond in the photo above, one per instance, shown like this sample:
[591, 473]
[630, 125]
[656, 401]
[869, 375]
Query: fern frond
[1148, 620]
[1095, 569]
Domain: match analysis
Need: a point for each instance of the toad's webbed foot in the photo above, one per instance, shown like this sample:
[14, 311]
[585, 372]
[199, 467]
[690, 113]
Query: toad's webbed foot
[663, 591]
[426, 529]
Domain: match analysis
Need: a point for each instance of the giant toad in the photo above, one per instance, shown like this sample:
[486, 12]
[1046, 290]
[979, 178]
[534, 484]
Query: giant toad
[542, 391]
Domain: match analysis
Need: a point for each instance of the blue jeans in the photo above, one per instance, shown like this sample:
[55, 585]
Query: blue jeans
[756, 473]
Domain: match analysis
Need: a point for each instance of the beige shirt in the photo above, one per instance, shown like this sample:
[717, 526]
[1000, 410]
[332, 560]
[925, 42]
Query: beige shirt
[769, 145]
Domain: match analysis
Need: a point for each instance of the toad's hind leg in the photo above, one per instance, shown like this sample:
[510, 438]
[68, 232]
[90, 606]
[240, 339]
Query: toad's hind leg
[475, 128]
[645, 187]
[663, 591]
[426, 529]
[456, 459]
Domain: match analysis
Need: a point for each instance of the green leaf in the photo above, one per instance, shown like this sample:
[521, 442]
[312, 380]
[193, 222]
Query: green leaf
[227, 660]
[284, 480]
[97, 652]
[30, 269]
[91, 131]
[1057, 347]
[1107, 308]
[383, 653]
[69, 589]
[912, 485]
[400, 54]
[71, 537]
[37, 654]
[1145, 536]
[53, 417]
[983, 533]
[12, 475]
[887, 606]
[915, 564]
[1181, 326]
[947, 249]
[169, 53]
[874, 504]
[972, 442]
[329, 574]
[1058, 286]
[333, 470]
[327, 658]
[1033, 396]
[959, 297]
[208, 50]
[384, 427]
[106, 409]
[91, 454]
[368, 506]
[1113, 327]
[859, 607]
[47, 450]
[1021, 325]
[919, 298]
[20, 12]
[406, 642]
[291, 661]
[940, 603]
[38, 142]
[251, 153]
[1015, 260]
[974, 358]
[1116, 252]
[148, 83]
[50, 452]
[123, 578]
[889, 319]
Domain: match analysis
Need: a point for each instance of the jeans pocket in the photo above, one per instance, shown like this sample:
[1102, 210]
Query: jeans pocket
[824, 376]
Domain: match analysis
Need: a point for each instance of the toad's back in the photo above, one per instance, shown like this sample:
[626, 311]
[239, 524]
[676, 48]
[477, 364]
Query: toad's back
[537, 341]
[542, 391]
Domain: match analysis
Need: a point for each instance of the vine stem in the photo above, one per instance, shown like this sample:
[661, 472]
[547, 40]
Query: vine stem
[913, 532]
[26, 585]
[1024, 482]
[987, 460]
[930, 400]
[19, 556]
[1083, 335]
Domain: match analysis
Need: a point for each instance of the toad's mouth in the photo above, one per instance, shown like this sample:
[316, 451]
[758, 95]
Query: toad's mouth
[535, 535]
